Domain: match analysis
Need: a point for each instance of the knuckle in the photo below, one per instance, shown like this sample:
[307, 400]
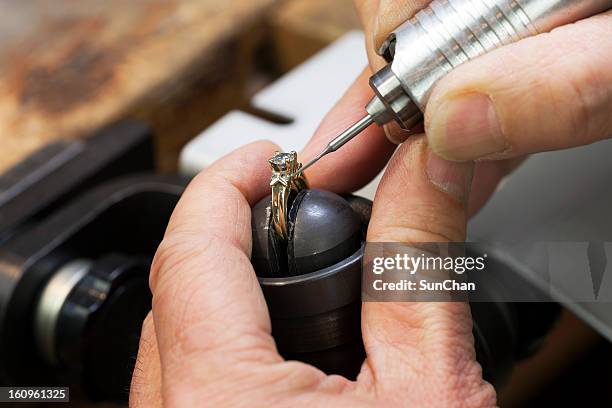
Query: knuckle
[415, 234]
[172, 253]
[591, 93]
[185, 266]
[578, 92]
[427, 223]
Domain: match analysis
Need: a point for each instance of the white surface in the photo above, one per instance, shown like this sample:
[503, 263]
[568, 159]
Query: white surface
[304, 95]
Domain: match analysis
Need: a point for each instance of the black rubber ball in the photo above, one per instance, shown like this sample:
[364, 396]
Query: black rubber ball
[323, 230]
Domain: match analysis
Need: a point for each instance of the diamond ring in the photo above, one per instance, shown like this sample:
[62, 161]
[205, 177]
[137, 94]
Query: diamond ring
[283, 182]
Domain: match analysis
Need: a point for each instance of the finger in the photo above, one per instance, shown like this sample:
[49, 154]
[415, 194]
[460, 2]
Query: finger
[411, 346]
[548, 92]
[379, 18]
[210, 315]
[368, 12]
[145, 390]
[396, 135]
[361, 159]
[487, 176]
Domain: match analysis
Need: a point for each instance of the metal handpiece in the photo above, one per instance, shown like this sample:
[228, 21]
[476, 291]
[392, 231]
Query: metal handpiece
[443, 36]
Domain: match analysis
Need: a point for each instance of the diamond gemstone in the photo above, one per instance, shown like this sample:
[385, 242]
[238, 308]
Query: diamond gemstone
[281, 159]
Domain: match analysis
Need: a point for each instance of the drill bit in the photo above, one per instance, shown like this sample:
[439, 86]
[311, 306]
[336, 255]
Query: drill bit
[340, 140]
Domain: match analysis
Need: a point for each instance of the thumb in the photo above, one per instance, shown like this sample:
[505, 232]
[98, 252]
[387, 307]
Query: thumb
[410, 346]
[548, 92]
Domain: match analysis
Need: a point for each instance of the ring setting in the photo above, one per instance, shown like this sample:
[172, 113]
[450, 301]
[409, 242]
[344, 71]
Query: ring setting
[283, 182]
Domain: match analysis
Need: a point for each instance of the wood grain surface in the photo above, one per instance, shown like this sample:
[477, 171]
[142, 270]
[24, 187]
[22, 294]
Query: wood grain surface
[300, 28]
[68, 67]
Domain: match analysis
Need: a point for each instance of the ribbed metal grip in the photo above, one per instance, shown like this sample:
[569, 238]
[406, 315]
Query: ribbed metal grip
[448, 33]
[462, 30]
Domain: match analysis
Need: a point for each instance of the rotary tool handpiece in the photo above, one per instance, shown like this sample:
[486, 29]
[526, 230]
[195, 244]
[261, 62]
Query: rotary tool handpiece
[443, 36]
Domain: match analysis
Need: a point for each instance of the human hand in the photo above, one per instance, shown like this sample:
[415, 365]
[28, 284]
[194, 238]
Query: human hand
[208, 339]
[547, 92]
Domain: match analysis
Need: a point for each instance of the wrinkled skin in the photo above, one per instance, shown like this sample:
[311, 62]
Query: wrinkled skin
[207, 341]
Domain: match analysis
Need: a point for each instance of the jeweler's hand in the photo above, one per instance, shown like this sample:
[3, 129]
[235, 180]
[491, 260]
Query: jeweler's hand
[208, 342]
[360, 160]
[548, 92]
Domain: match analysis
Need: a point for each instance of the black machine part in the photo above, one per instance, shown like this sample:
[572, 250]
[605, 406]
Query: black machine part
[84, 223]
[59, 171]
[316, 314]
[87, 321]
[99, 317]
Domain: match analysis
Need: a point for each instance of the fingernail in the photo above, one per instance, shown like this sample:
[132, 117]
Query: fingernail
[380, 7]
[466, 128]
[454, 178]
[395, 134]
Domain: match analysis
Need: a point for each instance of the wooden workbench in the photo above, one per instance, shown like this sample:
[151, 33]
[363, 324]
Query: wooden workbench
[69, 67]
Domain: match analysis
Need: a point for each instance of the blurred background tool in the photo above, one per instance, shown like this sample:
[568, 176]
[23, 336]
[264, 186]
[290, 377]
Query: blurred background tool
[80, 223]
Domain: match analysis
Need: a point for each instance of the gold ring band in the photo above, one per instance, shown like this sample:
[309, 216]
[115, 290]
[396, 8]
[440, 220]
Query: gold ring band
[283, 182]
